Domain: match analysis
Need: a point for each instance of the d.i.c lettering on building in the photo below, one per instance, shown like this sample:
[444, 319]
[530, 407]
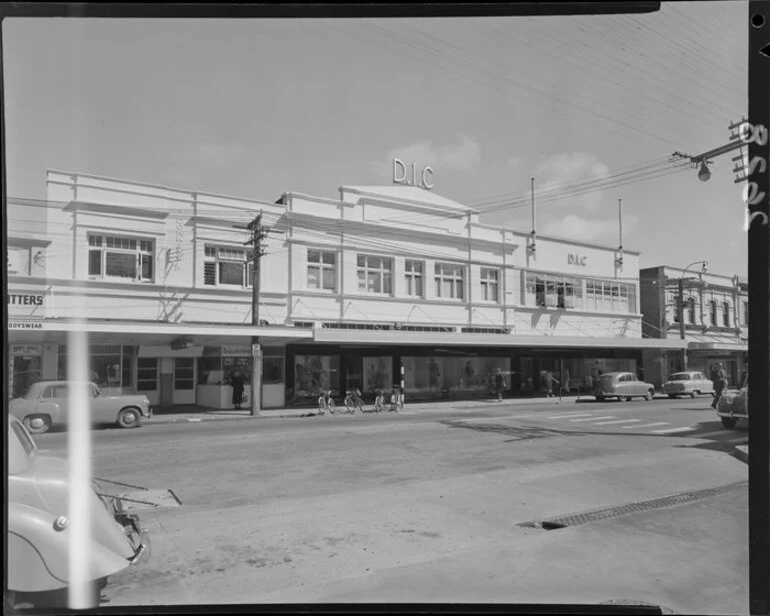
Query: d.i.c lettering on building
[424, 179]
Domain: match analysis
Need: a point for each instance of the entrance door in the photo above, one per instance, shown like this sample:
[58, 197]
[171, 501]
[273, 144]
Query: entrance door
[147, 381]
[184, 380]
[25, 371]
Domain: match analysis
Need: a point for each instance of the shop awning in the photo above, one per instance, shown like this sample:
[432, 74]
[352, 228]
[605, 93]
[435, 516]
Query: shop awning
[162, 333]
[704, 347]
[373, 337]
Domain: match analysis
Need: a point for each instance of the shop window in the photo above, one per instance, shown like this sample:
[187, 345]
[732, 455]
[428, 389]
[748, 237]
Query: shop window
[227, 267]
[321, 270]
[726, 314]
[109, 365]
[147, 374]
[313, 373]
[449, 279]
[375, 275]
[489, 284]
[713, 313]
[184, 373]
[272, 370]
[691, 310]
[120, 258]
[378, 373]
[414, 274]
[231, 365]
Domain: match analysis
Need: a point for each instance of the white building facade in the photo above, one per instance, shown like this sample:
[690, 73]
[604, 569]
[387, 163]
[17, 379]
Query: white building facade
[384, 285]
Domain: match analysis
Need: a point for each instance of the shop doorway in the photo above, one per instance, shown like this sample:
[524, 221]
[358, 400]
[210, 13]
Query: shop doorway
[184, 380]
[26, 368]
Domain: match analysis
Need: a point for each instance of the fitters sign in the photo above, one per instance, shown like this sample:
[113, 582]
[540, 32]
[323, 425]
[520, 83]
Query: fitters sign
[26, 305]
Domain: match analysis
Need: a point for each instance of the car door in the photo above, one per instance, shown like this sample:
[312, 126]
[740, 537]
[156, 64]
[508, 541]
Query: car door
[101, 408]
[621, 385]
[706, 386]
[59, 399]
[635, 385]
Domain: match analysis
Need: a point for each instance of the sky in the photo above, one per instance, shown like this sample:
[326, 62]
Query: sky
[256, 108]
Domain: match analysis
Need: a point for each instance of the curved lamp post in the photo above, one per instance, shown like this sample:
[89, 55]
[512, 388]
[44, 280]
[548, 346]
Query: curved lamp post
[704, 267]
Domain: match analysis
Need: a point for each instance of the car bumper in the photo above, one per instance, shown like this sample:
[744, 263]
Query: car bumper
[137, 536]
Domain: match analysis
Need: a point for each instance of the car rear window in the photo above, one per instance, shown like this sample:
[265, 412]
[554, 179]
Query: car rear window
[680, 377]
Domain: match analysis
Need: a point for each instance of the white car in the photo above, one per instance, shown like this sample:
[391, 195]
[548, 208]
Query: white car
[688, 384]
[46, 404]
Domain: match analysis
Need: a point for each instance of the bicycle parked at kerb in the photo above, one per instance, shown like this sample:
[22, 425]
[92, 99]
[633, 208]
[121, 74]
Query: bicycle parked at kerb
[354, 401]
[326, 402]
[396, 401]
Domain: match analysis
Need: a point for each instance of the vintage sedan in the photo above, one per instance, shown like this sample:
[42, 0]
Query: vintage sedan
[691, 384]
[623, 386]
[39, 528]
[46, 404]
[733, 408]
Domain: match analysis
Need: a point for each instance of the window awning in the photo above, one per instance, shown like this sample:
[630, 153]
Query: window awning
[718, 346]
[368, 337]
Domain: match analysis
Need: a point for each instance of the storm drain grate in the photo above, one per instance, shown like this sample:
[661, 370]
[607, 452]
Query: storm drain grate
[672, 500]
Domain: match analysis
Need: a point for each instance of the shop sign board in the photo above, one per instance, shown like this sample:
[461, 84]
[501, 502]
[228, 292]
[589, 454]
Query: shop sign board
[25, 350]
[236, 350]
[576, 259]
[25, 304]
[30, 324]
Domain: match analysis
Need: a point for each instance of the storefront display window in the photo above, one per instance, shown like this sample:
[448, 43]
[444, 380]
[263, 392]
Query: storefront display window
[231, 365]
[438, 374]
[110, 366]
[312, 373]
[378, 373]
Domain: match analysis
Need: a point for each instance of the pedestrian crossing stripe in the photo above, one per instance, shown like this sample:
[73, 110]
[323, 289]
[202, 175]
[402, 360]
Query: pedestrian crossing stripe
[618, 421]
[568, 415]
[595, 418]
[659, 423]
[710, 434]
[672, 430]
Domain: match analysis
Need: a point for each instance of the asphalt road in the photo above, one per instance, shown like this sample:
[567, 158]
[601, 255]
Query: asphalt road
[426, 507]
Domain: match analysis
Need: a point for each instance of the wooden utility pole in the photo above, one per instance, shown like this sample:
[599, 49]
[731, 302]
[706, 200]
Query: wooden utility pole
[257, 235]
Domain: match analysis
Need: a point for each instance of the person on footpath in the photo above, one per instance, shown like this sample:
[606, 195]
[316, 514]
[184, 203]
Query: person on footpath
[236, 380]
[499, 384]
[550, 379]
[719, 379]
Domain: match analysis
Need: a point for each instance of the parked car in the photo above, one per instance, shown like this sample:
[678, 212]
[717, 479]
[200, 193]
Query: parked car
[688, 384]
[46, 404]
[39, 527]
[733, 405]
[623, 386]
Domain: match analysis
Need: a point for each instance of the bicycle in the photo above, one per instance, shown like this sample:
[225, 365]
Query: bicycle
[395, 400]
[379, 401]
[353, 401]
[326, 403]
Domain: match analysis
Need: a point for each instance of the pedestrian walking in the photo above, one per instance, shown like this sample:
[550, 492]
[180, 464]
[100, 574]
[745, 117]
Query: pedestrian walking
[565, 376]
[550, 379]
[236, 380]
[499, 384]
[719, 379]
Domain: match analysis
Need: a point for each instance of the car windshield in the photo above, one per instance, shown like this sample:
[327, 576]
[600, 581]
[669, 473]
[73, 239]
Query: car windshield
[23, 437]
[680, 377]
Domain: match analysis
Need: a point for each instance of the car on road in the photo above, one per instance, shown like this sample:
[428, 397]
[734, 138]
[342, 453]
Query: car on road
[39, 528]
[623, 386]
[46, 404]
[691, 384]
[733, 406]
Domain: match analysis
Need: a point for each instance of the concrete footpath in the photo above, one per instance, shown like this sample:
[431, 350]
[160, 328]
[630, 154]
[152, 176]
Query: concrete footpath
[195, 414]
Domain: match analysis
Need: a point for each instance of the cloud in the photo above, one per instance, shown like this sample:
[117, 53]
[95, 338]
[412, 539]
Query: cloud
[579, 228]
[463, 155]
[219, 155]
[562, 170]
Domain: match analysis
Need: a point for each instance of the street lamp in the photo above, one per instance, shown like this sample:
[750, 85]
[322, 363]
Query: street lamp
[703, 173]
[704, 268]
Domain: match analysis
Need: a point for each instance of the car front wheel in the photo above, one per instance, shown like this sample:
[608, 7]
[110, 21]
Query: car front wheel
[129, 418]
[649, 395]
[37, 424]
[694, 394]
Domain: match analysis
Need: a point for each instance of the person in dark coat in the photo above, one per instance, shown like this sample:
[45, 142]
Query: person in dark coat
[719, 377]
[499, 385]
[236, 380]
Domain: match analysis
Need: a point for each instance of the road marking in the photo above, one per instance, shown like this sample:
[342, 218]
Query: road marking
[659, 423]
[672, 430]
[594, 418]
[617, 421]
[566, 415]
